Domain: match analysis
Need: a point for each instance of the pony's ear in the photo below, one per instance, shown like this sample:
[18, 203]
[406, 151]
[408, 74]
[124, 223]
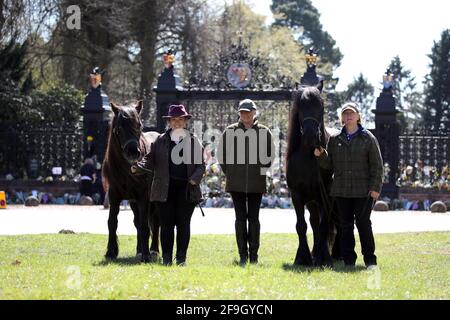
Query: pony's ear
[320, 85]
[139, 106]
[114, 108]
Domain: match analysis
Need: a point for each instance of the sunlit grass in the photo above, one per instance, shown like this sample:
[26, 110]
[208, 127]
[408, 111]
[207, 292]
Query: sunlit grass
[411, 266]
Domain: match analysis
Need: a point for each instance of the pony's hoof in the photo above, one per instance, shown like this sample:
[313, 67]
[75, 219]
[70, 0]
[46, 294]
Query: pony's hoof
[145, 258]
[111, 255]
[302, 263]
[324, 264]
[154, 256]
[303, 259]
[138, 255]
[323, 260]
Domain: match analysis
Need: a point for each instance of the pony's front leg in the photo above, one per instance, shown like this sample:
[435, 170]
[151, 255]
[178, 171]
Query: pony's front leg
[135, 209]
[334, 235]
[303, 256]
[154, 227]
[314, 220]
[144, 230]
[113, 247]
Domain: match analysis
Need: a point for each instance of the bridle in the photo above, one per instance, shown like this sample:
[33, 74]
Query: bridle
[117, 136]
[319, 125]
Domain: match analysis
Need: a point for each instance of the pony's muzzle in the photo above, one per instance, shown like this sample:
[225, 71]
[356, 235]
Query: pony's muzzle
[131, 151]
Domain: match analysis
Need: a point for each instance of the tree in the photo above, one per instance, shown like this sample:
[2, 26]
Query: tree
[304, 18]
[437, 85]
[409, 100]
[16, 105]
[104, 25]
[59, 105]
[280, 57]
[361, 92]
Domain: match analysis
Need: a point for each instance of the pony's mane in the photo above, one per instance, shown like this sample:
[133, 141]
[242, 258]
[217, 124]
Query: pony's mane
[304, 96]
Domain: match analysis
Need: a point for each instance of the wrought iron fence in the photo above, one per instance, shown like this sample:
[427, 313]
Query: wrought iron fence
[424, 158]
[431, 148]
[33, 150]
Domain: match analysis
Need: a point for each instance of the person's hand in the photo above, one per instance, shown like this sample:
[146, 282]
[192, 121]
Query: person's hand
[133, 169]
[318, 152]
[375, 195]
[192, 182]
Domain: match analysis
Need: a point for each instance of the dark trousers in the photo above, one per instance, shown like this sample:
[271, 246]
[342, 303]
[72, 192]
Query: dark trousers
[351, 211]
[246, 206]
[175, 212]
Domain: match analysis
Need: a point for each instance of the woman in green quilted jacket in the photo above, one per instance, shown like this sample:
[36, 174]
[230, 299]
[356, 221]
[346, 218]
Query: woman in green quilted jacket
[354, 156]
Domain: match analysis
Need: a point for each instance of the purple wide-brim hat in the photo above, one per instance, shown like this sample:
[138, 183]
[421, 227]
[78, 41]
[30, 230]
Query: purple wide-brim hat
[176, 111]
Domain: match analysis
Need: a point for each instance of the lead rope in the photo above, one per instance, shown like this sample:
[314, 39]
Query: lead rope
[203, 214]
[198, 204]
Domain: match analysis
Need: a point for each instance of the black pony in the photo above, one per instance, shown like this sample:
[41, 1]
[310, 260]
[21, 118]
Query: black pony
[127, 144]
[309, 184]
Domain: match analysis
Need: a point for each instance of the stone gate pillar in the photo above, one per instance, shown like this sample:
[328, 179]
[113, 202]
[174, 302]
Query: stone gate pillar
[166, 90]
[387, 131]
[96, 116]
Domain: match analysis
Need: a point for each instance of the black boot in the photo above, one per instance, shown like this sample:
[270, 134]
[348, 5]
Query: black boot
[253, 241]
[167, 259]
[181, 258]
[241, 239]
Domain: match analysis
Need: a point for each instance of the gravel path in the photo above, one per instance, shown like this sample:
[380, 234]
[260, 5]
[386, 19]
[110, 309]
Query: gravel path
[18, 219]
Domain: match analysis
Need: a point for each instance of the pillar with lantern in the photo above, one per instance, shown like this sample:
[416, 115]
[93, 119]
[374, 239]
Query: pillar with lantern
[96, 116]
[387, 131]
[168, 85]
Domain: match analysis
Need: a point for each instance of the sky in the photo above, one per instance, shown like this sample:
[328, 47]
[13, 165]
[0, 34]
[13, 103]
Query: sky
[370, 33]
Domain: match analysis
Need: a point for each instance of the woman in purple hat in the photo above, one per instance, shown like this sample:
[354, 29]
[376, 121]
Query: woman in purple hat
[176, 160]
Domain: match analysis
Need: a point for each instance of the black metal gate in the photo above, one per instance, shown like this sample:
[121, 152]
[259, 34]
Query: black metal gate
[32, 150]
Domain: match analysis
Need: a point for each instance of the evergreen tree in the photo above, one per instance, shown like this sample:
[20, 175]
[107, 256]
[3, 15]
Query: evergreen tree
[409, 99]
[437, 85]
[302, 16]
[12, 61]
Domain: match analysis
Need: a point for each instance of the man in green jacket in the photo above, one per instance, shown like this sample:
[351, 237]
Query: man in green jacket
[245, 154]
[354, 156]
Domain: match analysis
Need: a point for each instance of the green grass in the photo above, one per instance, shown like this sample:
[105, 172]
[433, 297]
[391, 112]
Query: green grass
[411, 266]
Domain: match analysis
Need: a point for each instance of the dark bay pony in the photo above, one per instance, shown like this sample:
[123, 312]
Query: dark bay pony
[309, 184]
[127, 144]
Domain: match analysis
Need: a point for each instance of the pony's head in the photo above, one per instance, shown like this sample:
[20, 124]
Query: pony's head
[308, 112]
[126, 130]
[306, 128]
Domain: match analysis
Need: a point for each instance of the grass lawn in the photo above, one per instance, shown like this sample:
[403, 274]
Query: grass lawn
[64, 266]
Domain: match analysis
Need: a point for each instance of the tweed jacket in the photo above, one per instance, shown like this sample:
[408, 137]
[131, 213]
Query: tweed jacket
[357, 164]
[246, 176]
[157, 162]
